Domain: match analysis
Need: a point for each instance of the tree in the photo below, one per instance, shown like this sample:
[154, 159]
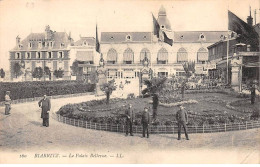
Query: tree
[17, 70]
[75, 68]
[58, 73]
[37, 72]
[47, 71]
[154, 86]
[108, 89]
[2, 73]
[189, 68]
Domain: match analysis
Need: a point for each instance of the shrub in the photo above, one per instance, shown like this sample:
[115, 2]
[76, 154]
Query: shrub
[21, 90]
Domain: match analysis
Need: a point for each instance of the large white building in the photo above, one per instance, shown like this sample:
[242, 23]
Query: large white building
[124, 52]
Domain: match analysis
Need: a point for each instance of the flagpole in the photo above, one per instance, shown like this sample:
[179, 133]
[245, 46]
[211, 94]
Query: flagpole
[227, 56]
[227, 45]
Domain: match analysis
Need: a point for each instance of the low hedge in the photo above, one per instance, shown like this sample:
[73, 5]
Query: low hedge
[22, 90]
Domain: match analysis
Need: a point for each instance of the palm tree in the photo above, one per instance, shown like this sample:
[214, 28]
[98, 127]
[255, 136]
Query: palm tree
[108, 89]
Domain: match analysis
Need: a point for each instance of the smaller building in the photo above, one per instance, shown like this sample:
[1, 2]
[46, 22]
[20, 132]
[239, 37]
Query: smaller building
[85, 58]
[47, 49]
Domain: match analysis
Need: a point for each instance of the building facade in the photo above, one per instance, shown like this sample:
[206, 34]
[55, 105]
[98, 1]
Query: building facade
[47, 49]
[124, 52]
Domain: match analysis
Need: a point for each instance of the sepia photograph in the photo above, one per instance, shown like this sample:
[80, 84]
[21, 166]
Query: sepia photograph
[129, 82]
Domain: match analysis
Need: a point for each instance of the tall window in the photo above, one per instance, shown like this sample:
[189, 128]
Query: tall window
[182, 55]
[38, 55]
[162, 57]
[28, 55]
[202, 55]
[39, 44]
[128, 56]
[17, 55]
[144, 52]
[49, 55]
[30, 45]
[111, 56]
[60, 55]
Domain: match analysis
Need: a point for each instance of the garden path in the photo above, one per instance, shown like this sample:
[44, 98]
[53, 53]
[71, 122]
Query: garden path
[21, 132]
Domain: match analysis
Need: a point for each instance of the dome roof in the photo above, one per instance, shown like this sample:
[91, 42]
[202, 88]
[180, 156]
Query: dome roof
[163, 20]
[162, 11]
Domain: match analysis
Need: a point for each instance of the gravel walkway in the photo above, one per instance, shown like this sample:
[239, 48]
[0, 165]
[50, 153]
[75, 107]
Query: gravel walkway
[21, 132]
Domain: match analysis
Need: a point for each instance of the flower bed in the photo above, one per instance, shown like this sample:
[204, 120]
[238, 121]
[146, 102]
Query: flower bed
[215, 114]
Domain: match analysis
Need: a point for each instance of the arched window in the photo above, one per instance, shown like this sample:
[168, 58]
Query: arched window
[111, 56]
[202, 55]
[144, 52]
[182, 55]
[162, 57]
[128, 56]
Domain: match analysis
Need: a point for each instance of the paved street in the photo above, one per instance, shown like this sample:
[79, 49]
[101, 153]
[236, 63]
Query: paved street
[21, 132]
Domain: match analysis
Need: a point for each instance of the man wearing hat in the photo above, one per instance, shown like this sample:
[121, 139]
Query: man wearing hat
[7, 103]
[129, 113]
[145, 121]
[45, 104]
[182, 118]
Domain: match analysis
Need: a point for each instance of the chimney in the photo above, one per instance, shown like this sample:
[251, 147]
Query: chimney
[250, 18]
[47, 32]
[18, 40]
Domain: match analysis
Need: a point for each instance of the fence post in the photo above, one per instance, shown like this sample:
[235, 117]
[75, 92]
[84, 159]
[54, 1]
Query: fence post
[123, 128]
[65, 120]
[239, 126]
[225, 127]
[117, 127]
[173, 129]
[246, 124]
[95, 126]
[106, 126]
[136, 129]
[203, 128]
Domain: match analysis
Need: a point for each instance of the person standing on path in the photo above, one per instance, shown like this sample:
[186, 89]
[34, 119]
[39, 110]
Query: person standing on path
[129, 120]
[7, 103]
[182, 118]
[145, 122]
[45, 104]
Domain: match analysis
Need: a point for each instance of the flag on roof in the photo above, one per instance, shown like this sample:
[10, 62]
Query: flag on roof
[167, 39]
[156, 27]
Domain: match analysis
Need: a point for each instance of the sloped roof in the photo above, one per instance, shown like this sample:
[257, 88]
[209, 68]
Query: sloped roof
[194, 36]
[115, 37]
[34, 38]
[90, 41]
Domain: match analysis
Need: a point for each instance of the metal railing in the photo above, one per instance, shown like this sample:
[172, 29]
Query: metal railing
[160, 129]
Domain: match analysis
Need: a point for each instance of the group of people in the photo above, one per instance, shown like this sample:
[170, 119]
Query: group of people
[181, 116]
[44, 103]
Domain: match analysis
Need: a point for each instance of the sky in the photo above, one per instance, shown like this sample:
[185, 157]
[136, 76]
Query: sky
[21, 17]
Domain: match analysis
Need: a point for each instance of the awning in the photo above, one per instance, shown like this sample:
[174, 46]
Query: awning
[111, 57]
[202, 56]
[162, 56]
[84, 55]
[256, 64]
[128, 57]
[182, 56]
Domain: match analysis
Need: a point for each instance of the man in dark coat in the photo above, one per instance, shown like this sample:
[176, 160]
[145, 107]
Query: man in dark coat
[129, 113]
[45, 104]
[182, 118]
[145, 122]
